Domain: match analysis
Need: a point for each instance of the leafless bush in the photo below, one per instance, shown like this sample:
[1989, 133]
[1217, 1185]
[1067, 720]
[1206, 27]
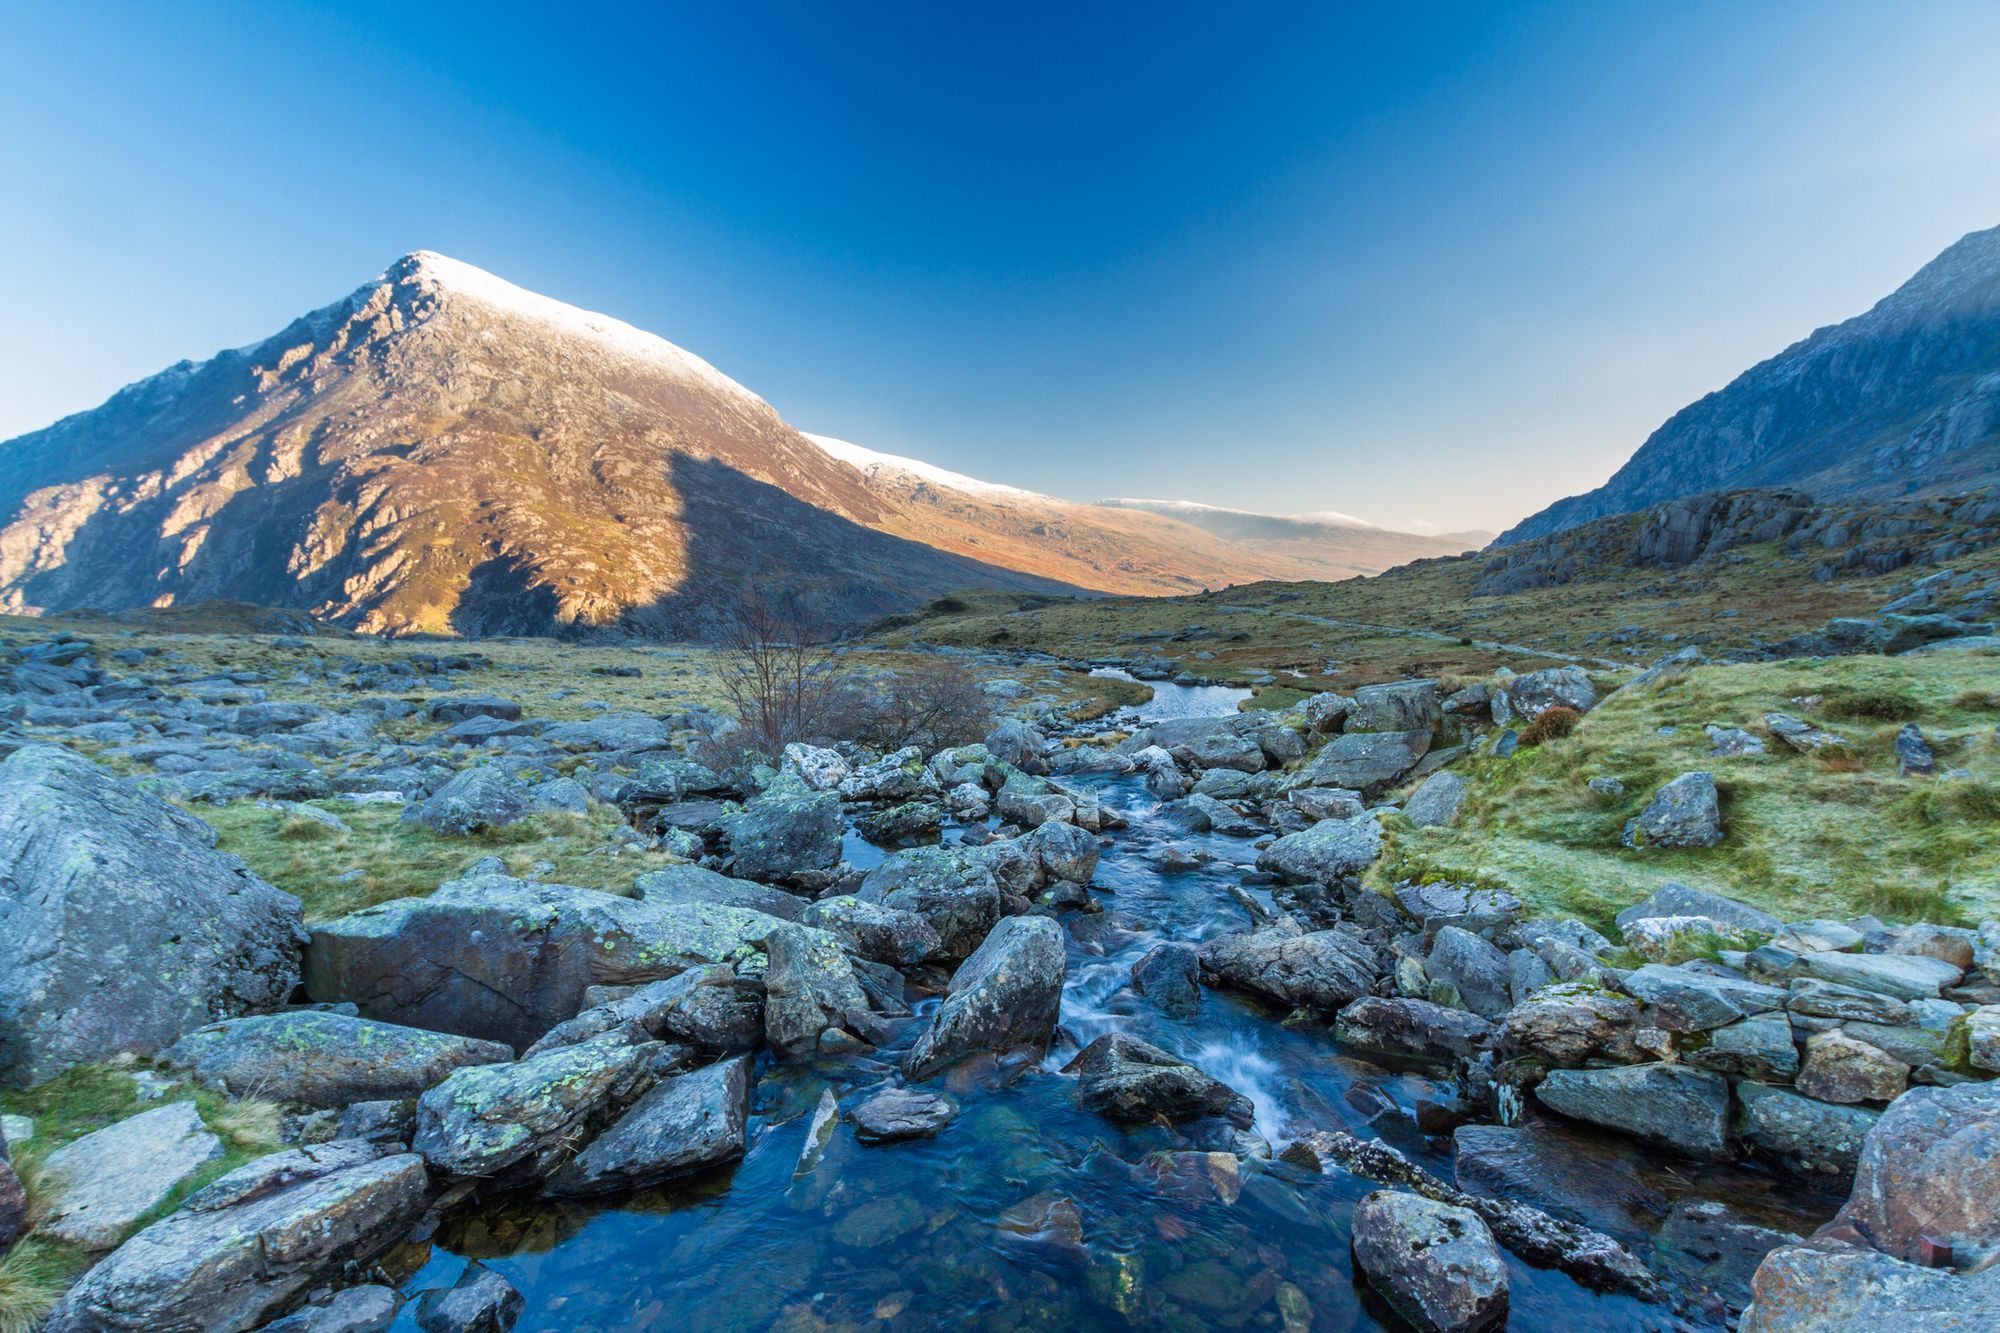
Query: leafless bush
[780, 672]
[934, 703]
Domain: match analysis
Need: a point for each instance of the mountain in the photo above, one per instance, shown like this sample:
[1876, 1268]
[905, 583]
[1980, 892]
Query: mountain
[1333, 545]
[1902, 400]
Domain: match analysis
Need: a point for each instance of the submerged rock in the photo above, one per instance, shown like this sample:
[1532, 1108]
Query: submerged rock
[1124, 1078]
[896, 1114]
[319, 1058]
[1006, 995]
[1435, 1263]
[481, 1301]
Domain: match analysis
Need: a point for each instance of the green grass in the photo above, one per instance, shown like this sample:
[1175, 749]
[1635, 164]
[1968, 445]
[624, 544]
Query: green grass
[1805, 836]
[33, 1276]
[396, 858]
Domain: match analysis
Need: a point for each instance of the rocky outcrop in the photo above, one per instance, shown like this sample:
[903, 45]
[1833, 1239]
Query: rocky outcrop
[317, 1058]
[121, 926]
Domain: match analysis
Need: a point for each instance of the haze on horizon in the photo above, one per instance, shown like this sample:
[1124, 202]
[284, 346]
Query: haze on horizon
[1435, 271]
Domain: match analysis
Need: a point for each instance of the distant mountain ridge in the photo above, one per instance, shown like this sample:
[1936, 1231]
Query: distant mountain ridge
[1901, 400]
[1333, 541]
[442, 451]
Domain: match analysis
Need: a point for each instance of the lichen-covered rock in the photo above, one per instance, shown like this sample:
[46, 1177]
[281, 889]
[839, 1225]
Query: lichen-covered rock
[481, 1121]
[809, 991]
[1124, 1078]
[887, 935]
[507, 959]
[1525, 697]
[1806, 1137]
[1823, 1286]
[485, 796]
[1679, 900]
[1901, 976]
[819, 769]
[96, 1188]
[1330, 850]
[250, 1244]
[1686, 812]
[1680, 1108]
[709, 1008]
[1569, 1023]
[1399, 705]
[680, 1126]
[1062, 852]
[785, 831]
[121, 926]
[1417, 1029]
[697, 884]
[1689, 1000]
[369, 1308]
[480, 1301]
[1032, 801]
[1006, 995]
[1322, 969]
[1436, 802]
[1757, 1048]
[952, 888]
[1477, 973]
[319, 1058]
[1364, 761]
[1838, 1068]
[1435, 1263]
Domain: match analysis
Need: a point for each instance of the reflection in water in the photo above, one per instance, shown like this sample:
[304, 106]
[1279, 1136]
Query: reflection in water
[1026, 1213]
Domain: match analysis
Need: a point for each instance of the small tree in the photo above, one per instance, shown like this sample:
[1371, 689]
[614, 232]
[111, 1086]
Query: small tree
[780, 672]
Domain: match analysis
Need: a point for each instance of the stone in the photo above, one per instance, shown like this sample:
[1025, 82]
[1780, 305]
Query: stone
[1824, 1285]
[1914, 757]
[1525, 697]
[474, 800]
[1947, 944]
[696, 884]
[1318, 803]
[1327, 710]
[1063, 852]
[819, 769]
[507, 959]
[481, 1301]
[613, 731]
[1757, 1048]
[1901, 976]
[678, 1127]
[318, 1058]
[1123, 1078]
[887, 935]
[1367, 762]
[1845, 1071]
[1679, 900]
[1676, 938]
[894, 826]
[810, 991]
[1569, 1023]
[123, 926]
[1930, 1168]
[1478, 973]
[1691, 1000]
[1014, 742]
[563, 795]
[1330, 850]
[1711, 1246]
[709, 1008]
[369, 1308]
[459, 707]
[1169, 976]
[896, 1114]
[1687, 812]
[1005, 996]
[951, 888]
[1733, 742]
[99, 1186]
[1325, 969]
[1415, 1029]
[1800, 736]
[1816, 936]
[1436, 802]
[1484, 912]
[1436, 1264]
[1982, 1032]
[1527, 973]
[784, 832]
[1826, 999]
[481, 1121]
[1031, 801]
[1670, 1105]
[251, 1244]
[1403, 705]
[1806, 1137]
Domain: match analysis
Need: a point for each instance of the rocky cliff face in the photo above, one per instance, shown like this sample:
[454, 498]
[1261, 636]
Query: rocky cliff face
[442, 451]
[1902, 400]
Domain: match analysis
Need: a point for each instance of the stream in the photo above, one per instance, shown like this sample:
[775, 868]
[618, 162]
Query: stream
[1027, 1213]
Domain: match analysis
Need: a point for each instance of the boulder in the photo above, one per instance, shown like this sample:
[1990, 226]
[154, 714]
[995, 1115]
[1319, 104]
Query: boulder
[121, 926]
[1757, 1048]
[459, 707]
[1063, 852]
[1798, 735]
[1006, 995]
[1123, 1078]
[1477, 973]
[1823, 1286]
[1323, 969]
[819, 769]
[1436, 802]
[252, 1243]
[1525, 697]
[1015, 742]
[1930, 1168]
[1679, 900]
[369, 1308]
[319, 1058]
[1318, 803]
[887, 935]
[476, 799]
[1901, 976]
[1414, 1028]
[613, 731]
[1481, 911]
[480, 1301]
[899, 776]
[1840, 1069]
[1403, 705]
[912, 821]
[1806, 1137]
[1367, 762]
[783, 832]
[1330, 850]
[709, 1008]
[697, 884]
[507, 959]
[950, 887]
[1169, 976]
[97, 1187]
[1436, 1264]
[680, 1126]
[810, 991]
[1032, 802]
[1671, 1105]
[1569, 1023]
[1687, 999]
[1326, 711]
[894, 1115]
[1914, 757]
[1687, 812]
[481, 1121]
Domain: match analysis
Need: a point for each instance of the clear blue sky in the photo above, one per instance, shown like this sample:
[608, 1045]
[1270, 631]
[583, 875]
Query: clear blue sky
[1444, 265]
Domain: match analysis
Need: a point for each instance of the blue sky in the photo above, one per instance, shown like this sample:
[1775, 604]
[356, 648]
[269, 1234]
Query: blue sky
[1436, 266]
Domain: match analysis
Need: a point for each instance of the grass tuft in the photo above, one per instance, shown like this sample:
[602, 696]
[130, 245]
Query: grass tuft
[33, 1276]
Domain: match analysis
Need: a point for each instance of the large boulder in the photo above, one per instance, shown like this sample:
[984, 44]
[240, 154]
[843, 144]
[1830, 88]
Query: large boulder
[1321, 969]
[251, 1244]
[950, 887]
[484, 1120]
[1809, 1138]
[1824, 1286]
[318, 1058]
[887, 935]
[1436, 803]
[1678, 900]
[1403, 705]
[1062, 852]
[1901, 976]
[1478, 974]
[613, 731]
[1570, 1023]
[507, 959]
[121, 926]
[1437, 1264]
[810, 991]
[1688, 999]
[1527, 696]
[680, 1126]
[1930, 1168]
[1330, 850]
[1124, 1078]
[1671, 1105]
[1686, 812]
[98, 1187]
[1006, 995]
[479, 798]
[1366, 762]
[697, 884]
[787, 830]
[1416, 1029]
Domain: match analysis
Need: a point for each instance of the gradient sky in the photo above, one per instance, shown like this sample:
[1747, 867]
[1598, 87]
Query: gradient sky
[1437, 266]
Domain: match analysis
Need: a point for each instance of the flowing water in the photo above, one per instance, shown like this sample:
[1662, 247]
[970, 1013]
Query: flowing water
[1027, 1213]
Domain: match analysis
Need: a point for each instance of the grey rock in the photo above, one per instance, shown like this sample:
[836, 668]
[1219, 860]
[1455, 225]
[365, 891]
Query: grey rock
[481, 1121]
[680, 1126]
[1478, 973]
[121, 926]
[1330, 850]
[1900, 976]
[1842, 1069]
[613, 731]
[1437, 1264]
[1914, 757]
[1824, 1285]
[1168, 975]
[951, 888]
[1367, 762]
[1757, 1048]
[365, 1309]
[563, 795]
[1063, 852]
[1325, 802]
[1806, 1137]
[709, 1008]
[318, 1058]
[1123, 1078]
[1015, 742]
[1826, 999]
[1436, 802]
[898, 1114]
[697, 884]
[1481, 911]
[1686, 812]
[1680, 900]
[1931, 1168]
[99, 1186]
[1404, 705]
[1325, 969]
[1679, 1108]
[1006, 995]
[481, 1301]
[1413, 1028]
[783, 832]
[1799, 735]
[479, 798]
[880, 934]
[810, 991]
[1733, 742]
[1527, 696]
[1691, 1000]
[459, 707]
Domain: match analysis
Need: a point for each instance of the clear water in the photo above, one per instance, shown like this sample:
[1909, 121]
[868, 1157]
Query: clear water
[1177, 701]
[1027, 1213]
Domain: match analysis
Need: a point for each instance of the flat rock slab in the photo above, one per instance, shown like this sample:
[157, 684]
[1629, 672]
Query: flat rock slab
[326, 1059]
[896, 1114]
[1680, 1108]
[102, 1184]
[1902, 976]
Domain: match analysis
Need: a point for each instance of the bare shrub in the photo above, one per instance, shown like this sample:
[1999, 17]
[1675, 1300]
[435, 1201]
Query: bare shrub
[780, 672]
[933, 703]
[1552, 724]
